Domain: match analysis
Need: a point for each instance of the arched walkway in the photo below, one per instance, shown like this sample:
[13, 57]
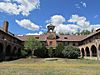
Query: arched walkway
[87, 51]
[1, 50]
[83, 53]
[8, 50]
[19, 52]
[99, 48]
[14, 51]
[94, 50]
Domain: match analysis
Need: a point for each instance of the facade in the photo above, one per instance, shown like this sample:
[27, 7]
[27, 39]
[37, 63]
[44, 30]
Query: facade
[10, 45]
[89, 45]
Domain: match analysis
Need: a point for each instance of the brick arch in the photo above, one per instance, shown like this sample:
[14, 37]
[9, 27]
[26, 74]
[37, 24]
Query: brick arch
[8, 50]
[99, 47]
[1, 49]
[19, 52]
[94, 50]
[14, 51]
[82, 52]
[87, 51]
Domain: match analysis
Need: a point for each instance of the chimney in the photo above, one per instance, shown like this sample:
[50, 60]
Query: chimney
[5, 26]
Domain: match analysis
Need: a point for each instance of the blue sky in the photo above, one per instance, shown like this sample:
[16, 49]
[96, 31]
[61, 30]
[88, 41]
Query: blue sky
[32, 16]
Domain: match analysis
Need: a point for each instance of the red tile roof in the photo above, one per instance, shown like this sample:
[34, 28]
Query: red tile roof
[61, 37]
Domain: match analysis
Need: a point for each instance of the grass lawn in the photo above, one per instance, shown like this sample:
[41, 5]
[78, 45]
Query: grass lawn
[33, 66]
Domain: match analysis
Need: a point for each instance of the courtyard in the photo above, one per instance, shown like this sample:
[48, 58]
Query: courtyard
[49, 66]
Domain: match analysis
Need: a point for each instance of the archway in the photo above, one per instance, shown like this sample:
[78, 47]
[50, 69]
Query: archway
[19, 52]
[14, 51]
[1, 50]
[99, 48]
[87, 51]
[94, 50]
[8, 50]
[83, 53]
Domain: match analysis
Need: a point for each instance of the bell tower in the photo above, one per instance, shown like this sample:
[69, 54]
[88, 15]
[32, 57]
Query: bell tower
[50, 28]
[51, 36]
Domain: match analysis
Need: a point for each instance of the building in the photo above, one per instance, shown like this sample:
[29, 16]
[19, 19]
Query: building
[89, 45]
[10, 45]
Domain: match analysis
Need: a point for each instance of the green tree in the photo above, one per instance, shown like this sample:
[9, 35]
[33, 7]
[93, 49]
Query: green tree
[59, 49]
[41, 52]
[85, 32]
[71, 52]
[50, 52]
[31, 44]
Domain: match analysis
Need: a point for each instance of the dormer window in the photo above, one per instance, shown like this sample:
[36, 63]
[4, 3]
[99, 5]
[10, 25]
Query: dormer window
[65, 38]
[37, 37]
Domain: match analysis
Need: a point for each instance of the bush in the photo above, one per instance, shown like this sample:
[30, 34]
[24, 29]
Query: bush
[59, 49]
[51, 52]
[71, 52]
[24, 53]
[41, 52]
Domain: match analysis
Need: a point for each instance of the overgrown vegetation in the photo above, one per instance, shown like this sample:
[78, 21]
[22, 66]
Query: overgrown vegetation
[36, 48]
[71, 52]
[59, 49]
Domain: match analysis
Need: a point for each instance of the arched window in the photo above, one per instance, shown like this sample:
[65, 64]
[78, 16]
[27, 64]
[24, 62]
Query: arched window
[87, 51]
[94, 50]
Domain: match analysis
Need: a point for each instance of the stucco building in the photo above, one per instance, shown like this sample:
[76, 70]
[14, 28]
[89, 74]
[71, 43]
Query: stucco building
[89, 45]
[10, 45]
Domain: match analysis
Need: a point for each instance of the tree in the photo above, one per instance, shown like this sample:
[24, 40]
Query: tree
[59, 49]
[41, 52]
[85, 32]
[71, 52]
[50, 52]
[31, 44]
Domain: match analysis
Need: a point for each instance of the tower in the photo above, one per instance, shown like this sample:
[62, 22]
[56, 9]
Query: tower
[50, 28]
[51, 36]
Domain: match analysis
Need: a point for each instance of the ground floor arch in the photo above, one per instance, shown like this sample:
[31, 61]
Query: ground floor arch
[8, 51]
[14, 51]
[87, 51]
[82, 52]
[94, 51]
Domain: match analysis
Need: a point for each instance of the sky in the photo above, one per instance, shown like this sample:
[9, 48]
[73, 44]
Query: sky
[31, 17]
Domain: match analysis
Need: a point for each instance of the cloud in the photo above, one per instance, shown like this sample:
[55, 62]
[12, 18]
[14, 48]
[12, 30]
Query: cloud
[27, 24]
[96, 16]
[80, 23]
[83, 23]
[81, 4]
[84, 4]
[35, 33]
[56, 20]
[17, 7]
[60, 27]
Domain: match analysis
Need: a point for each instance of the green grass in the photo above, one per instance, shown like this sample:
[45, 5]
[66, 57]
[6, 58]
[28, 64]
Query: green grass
[42, 67]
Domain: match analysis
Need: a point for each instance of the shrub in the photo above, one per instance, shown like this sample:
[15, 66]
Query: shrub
[51, 52]
[59, 49]
[24, 53]
[71, 52]
[41, 52]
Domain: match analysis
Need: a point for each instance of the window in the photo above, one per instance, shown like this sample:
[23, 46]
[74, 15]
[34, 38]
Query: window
[65, 37]
[37, 37]
[50, 42]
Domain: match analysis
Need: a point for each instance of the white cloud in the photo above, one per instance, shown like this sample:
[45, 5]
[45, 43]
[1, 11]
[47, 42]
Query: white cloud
[79, 24]
[35, 33]
[96, 16]
[84, 4]
[77, 6]
[57, 19]
[81, 4]
[27, 24]
[83, 23]
[19, 6]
